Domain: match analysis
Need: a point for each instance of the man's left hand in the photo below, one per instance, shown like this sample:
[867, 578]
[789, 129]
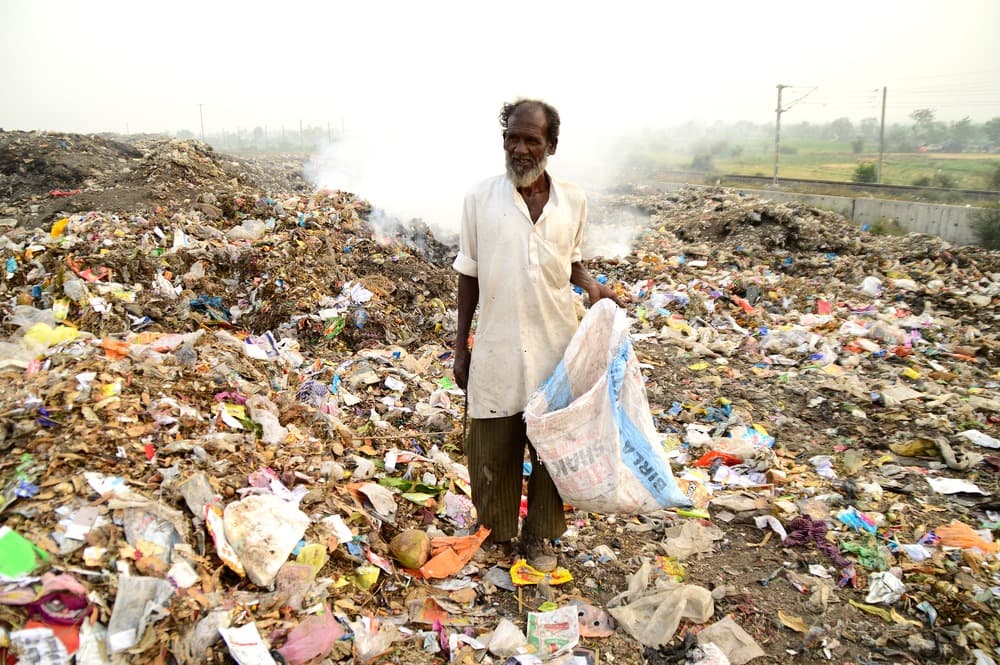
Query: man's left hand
[598, 291]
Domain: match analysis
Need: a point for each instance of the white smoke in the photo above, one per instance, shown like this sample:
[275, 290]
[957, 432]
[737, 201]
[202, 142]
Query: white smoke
[422, 170]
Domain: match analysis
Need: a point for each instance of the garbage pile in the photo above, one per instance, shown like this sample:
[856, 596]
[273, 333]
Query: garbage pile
[43, 174]
[234, 433]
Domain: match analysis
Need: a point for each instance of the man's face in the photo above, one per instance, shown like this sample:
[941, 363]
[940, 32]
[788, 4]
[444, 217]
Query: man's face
[526, 146]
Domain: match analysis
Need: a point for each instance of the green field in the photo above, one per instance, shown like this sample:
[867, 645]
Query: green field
[828, 160]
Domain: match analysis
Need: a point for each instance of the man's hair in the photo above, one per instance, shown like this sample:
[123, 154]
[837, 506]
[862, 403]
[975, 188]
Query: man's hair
[551, 116]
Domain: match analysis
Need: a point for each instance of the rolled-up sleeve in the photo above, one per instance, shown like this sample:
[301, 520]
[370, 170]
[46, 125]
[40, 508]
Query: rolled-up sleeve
[467, 261]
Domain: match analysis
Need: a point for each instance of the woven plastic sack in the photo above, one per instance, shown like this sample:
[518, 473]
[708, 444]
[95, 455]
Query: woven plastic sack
[591, 426]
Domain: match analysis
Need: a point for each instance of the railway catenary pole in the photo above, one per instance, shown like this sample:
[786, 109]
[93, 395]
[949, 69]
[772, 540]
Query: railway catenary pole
[881, 139]
[777, 133]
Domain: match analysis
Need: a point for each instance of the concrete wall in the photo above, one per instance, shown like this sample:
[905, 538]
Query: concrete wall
[951, 223]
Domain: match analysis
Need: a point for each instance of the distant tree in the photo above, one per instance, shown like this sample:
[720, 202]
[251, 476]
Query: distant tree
[995, 177]
[865, 172]
[702, 162]
[962, 132]
[841, 128]
[869, 128]
[185, 134]
[925, 127]
[899, 139]
[992, 129]
[857, 145]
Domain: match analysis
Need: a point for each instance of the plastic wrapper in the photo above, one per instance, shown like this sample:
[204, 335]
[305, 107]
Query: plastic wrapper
[553, 633]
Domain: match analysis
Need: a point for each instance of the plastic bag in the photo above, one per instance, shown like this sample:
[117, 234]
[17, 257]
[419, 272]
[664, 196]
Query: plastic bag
[959, 534]
[653, 617]
[263, 530]
[591, 426]
[734, 642]
[312, 639]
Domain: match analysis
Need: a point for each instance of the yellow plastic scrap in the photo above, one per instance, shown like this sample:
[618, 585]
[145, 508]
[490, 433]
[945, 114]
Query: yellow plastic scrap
[697, 367]
[679, 324]
[59, 227]
[41, 336]
[313, 555]
[919, 447]
[522, 574]
[366, 576]
[911, 373]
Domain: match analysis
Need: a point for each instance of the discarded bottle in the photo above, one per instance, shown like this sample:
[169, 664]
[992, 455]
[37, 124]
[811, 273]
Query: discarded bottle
[360, 317]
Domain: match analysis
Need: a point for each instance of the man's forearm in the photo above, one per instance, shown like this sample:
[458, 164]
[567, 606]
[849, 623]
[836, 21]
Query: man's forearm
[579, 276]
[468, 298]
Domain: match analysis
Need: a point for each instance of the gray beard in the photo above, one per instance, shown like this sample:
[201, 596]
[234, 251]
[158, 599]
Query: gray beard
[529, 176]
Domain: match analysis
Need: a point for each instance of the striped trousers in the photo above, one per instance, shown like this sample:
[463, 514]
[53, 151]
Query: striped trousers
[494, 448]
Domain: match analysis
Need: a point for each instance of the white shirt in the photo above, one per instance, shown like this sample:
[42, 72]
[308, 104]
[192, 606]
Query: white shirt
[526, 311]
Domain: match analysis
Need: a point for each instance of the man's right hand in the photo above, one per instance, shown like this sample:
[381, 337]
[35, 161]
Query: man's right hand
[463, 358]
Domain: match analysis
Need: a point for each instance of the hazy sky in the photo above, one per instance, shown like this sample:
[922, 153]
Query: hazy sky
[94, 66]
[418, 85]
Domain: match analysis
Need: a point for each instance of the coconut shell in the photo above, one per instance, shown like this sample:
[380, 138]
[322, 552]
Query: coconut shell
[411, 548]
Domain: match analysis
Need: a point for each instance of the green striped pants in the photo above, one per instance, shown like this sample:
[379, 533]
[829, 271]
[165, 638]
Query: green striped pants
[494, 448]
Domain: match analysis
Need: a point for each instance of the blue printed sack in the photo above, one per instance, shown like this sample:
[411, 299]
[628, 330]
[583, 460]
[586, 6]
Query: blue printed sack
[591, 426]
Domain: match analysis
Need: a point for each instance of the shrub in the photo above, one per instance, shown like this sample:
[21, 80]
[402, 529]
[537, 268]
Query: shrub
[995, 177]
[986, 222]
[865, 172]
[857, 145]
[702, 162]
[944, 180]
[885, 226]
[922, 181]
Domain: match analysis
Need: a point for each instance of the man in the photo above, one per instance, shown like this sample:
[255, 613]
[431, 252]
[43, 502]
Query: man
[519, 252]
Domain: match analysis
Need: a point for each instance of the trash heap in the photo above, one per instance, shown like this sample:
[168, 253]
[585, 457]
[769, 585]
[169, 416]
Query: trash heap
[231, 431]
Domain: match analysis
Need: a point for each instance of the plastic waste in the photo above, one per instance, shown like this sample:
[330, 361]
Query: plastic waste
[250, 230]
[18, 555]
[372, 638]
[594, 621]
[871, 286]
[38, 646]
[263, 530]
[265, 413]
[140, 602]
[507, 640]
[553, 633]
[884, 588]
[313, 638]
[734, 642]
[246, 646]
[652, 617]
[706, 654]
[690, 538]
[960, 534]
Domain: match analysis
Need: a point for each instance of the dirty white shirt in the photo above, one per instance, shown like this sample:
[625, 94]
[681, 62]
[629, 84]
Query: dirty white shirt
[526, 310]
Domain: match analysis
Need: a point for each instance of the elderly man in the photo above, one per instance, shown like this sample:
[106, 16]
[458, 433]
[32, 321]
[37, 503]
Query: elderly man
[519, 252]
